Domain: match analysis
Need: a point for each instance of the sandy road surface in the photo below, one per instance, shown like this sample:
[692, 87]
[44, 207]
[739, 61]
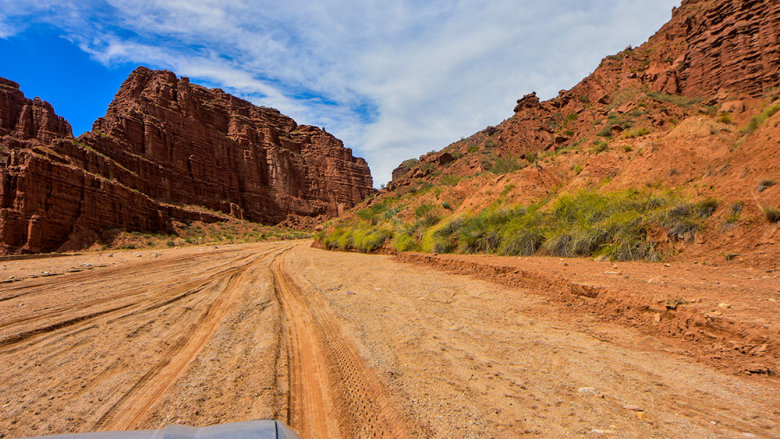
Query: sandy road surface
[338, 345]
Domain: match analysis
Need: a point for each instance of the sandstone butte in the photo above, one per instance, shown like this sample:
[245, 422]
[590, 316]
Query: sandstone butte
[166, 150]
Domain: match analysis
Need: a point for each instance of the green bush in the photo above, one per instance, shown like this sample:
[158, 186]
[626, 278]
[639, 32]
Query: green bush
[505, 165]
[423, 209]
[758, 120]
[586, 223]
[449, 180]
[599, 146]
[404, 242]
[638, 132]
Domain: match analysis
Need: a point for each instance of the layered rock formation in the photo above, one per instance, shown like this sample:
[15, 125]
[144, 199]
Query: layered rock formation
[711, 51]
[163, 145]
[25, 119]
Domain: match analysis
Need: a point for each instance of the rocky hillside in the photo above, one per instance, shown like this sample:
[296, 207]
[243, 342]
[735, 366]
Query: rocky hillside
[165, 150]
[711, 53]
[692, 113]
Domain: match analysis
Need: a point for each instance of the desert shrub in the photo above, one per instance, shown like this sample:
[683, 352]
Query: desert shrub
[423, 209]
[680, 221]
[599, 146]
[735, 211]
[441, 238]
[404, 241]
[427, 221]
[370, 214]
[759, 119]
[472, 148]
[638, 132]
[724, 118]
[371, 240]
[531, 157]
[605, 132]
[706, 207]
[446, 205]
[490, 143]
[505, 165]
[171, 243]
[577, 169]
[449, 180]
[772, 214]
[679, 100]
[585, 223]
[627, 148]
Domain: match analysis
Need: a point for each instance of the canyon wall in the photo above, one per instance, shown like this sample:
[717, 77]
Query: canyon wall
[165, 150]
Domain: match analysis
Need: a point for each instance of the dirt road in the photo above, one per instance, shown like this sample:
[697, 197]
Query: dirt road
[338, 345]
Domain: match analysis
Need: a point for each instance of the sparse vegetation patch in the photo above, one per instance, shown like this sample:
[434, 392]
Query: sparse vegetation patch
[617, 225]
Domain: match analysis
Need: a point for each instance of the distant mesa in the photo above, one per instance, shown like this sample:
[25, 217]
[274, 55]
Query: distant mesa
[166, 150]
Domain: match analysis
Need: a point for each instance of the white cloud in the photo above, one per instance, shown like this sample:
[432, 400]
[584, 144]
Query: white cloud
[429, 72]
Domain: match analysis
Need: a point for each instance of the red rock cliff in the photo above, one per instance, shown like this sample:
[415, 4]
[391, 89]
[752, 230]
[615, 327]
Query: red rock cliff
[710, 51]
[26, 119]
[163, 144]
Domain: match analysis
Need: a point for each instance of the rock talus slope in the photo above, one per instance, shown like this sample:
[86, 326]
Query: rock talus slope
[165, 150]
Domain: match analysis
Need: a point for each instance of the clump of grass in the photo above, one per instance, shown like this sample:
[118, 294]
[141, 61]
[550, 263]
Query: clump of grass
[505, 165]
[449, 179]
[599, 146]
[705, 208]
[735, 211]
[724, 118]
[758, 120]
[587, 223]
[371, 213]
[638, 132]
[679, 100]
[577, 169]
[423, 210]
[363, 239]
[772, 214]
[472, 148]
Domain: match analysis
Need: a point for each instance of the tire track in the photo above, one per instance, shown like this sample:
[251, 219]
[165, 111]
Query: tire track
[141, 300]
[135, 405]
[332, 393]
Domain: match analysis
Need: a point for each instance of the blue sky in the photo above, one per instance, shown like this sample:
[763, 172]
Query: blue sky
[392, 79]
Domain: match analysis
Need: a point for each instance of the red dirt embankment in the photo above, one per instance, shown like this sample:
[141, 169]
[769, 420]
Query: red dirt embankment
[718, 315]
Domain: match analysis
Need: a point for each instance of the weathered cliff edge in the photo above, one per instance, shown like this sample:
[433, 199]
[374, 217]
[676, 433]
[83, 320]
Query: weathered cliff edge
[166, 150]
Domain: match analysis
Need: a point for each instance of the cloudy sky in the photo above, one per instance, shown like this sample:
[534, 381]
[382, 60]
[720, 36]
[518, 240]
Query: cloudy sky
[393, 79]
